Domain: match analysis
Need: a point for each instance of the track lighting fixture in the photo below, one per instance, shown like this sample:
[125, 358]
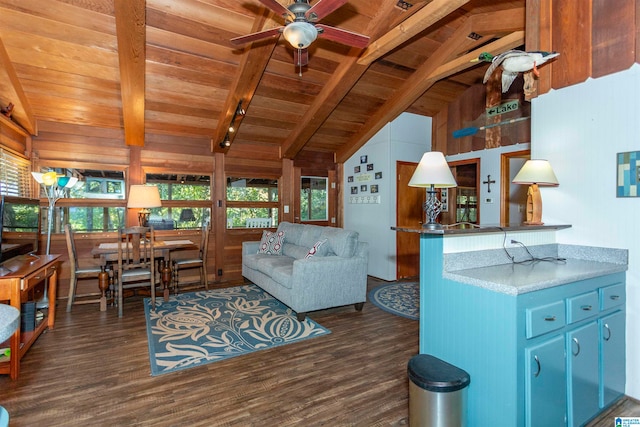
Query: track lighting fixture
[239, 112]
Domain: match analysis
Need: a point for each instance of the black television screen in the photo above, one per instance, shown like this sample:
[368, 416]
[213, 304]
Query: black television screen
[19, 226]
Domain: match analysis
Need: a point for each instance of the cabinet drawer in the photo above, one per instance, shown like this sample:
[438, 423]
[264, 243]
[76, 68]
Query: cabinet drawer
[545, 318]
[582, 307]
[37, 277]
[612, 296]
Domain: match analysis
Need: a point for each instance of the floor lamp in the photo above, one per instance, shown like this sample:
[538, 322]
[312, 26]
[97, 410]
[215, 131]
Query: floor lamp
[432, 172]
[54, 187]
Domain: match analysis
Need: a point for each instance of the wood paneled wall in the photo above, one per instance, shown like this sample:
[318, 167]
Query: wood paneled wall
[60, 144]
[594, 38]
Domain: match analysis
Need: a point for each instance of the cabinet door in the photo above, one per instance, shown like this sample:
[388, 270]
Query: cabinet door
[612, 364]
[583, 383]
[546, 384]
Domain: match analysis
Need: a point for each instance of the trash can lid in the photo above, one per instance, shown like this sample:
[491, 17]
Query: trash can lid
[432, 374]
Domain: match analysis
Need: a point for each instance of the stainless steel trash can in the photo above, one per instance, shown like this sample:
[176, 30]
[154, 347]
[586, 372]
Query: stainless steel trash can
[437, 393]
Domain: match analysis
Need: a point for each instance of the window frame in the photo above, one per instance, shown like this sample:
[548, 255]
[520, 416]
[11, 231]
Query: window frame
[244, 204]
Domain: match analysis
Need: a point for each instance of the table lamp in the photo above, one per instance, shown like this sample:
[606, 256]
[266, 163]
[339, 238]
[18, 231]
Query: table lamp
[432, 172]
[535, 173]
[144, 197]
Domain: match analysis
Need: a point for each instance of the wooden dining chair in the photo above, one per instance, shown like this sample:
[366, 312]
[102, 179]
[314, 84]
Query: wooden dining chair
[192, 263]
[77, 272]
[136, 262]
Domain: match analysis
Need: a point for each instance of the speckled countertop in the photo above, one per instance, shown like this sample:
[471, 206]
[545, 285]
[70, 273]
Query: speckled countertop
[564, 264]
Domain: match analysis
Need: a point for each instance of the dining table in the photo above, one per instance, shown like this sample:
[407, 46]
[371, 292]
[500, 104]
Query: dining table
[108, 253]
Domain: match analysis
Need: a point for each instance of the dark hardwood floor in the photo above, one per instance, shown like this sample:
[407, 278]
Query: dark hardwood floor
[93, 369]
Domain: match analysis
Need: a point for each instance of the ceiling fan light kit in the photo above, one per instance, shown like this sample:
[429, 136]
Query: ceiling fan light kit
[300, 29]
[300, 35]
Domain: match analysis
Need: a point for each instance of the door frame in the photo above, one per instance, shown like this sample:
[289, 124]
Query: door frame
[505, 181]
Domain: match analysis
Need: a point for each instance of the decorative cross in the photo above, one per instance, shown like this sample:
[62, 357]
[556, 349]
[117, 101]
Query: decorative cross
[489, 181]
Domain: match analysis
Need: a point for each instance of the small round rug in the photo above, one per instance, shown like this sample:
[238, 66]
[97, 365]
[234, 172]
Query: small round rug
[399, 298]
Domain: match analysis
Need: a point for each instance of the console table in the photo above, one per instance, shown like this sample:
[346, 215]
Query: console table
[18, 276]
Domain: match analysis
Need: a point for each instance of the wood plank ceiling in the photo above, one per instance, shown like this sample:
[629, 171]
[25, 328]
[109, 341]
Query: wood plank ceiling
[167, 67]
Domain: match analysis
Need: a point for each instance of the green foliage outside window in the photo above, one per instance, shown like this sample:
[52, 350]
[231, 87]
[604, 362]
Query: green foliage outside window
[251, 198]
[313, 198]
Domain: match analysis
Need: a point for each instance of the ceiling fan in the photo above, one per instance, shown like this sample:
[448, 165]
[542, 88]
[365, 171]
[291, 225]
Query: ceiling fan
[300, 28]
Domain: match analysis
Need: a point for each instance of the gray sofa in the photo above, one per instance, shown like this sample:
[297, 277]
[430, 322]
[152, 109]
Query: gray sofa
[335, 275]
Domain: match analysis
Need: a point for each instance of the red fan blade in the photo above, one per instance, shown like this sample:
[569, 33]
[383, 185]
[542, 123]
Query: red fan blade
[343, 36]
[300, 57]
[273, 32]
[322, 8]
[277, 8]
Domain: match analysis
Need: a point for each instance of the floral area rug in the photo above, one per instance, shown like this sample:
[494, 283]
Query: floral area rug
[196, 328]
[400, 298]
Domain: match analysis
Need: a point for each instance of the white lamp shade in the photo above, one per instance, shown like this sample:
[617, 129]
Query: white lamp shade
[433, 170]
[144, 197]
[300, 34]
[536, 172]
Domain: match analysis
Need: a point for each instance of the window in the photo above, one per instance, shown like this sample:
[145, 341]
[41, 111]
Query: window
[186, 201]
[95, 204]
[15, 176]
[251, 198]
[313, 198]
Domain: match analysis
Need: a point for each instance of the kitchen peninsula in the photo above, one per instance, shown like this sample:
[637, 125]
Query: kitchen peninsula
[539, 326]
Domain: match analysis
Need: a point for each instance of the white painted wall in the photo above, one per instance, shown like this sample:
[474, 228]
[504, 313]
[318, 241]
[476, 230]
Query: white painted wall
[405, 139]
[580, 129]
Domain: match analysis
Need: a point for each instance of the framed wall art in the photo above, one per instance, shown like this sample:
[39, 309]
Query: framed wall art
[628, 171]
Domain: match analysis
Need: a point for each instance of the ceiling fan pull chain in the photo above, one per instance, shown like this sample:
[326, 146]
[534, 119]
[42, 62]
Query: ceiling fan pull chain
[300, 61]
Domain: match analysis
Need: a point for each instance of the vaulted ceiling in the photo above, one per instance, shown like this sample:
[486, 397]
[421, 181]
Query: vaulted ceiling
[168, 67]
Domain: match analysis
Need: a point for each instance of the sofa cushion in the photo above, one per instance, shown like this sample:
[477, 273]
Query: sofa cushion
[283, 275]
[293, 231]
[268, 264]
[271, 242]
[342, 242]
[319, 249]
[295, 251]
[252, 260]
[310, 235]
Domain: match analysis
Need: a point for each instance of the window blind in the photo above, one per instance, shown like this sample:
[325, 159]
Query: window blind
[15, 175]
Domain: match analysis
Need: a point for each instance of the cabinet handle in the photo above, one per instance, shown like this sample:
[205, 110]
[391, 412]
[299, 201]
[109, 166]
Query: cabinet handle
[535, 357]
[575, 340]
[606, 327]
[550, 318]
[586, 307]
[615, 297]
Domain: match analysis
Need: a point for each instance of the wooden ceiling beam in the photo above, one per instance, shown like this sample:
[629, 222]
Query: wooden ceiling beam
[415, 24]
[11, 88]
[350, 71]
[437, 67]
[250, 70]
[130, 30]
[507, 20]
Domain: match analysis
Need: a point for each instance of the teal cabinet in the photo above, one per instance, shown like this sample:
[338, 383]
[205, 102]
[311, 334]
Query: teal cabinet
[612, 350]
[546, 384]
[583, 378]
[549, 357]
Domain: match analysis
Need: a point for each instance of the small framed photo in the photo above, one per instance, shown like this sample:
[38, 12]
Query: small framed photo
[378, 175]
[363, 187]
[349, 179]
[370, 167]
[354, 190]
[356, 169]
[374, 188]
[363, 159]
